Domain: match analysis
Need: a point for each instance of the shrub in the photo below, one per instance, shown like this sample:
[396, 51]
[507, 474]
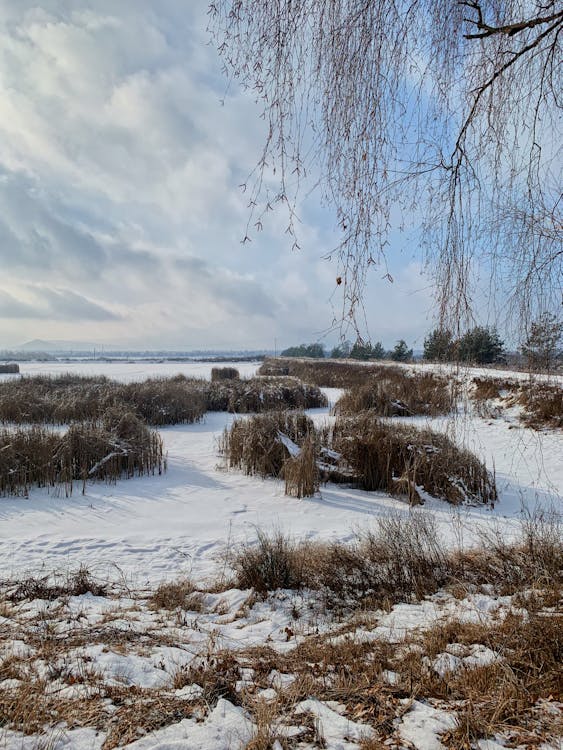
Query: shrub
[397, 392]
[543, 403]
[274, 562]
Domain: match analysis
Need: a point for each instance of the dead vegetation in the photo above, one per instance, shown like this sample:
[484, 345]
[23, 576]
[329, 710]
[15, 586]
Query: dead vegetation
[323, 373]
[402, 558]
[376, 455]
[174, 595]
[50, 588]
[120, 446]
[398, 392]
[224, 373]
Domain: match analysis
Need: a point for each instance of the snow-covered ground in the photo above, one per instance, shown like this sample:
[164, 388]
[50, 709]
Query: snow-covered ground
[151, 528]
[139, 532]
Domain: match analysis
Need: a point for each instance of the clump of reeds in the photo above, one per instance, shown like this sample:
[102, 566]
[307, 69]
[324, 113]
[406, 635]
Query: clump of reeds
[301, 472]
[399, 392]
[402, 459]
[262, 394]
[256, 445]
[37, 457]
[224, 373]
[163, 401]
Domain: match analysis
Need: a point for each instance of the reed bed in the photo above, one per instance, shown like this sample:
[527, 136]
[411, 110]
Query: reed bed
[541, 402]
[402, 459]
[159, 401]
[390, 457]
[119, 447]
[398, 392]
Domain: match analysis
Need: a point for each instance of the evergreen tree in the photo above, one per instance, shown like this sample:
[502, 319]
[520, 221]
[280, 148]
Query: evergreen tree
[542, 347]
[438, 346]
[401, 353]
[481, 346]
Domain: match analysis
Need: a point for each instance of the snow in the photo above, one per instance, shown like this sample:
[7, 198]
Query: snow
[422, 725]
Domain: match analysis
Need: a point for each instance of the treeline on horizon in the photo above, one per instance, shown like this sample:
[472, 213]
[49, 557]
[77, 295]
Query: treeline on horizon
[480, 345]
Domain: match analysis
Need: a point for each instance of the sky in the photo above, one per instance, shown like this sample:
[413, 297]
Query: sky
[122, 152]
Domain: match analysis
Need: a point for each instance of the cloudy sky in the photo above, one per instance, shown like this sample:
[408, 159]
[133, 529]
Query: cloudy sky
[121, 153]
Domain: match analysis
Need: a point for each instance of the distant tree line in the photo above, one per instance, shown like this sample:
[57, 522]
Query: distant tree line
[346, 350]
[481, 345]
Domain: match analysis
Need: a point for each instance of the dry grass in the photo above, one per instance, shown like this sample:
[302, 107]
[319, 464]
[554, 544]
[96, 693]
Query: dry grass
[275, 561]
[398, 392]
[543, 404]
[403, 558]
[158, 401]
[121, 446]
[301, 472]
[72, 583]
[175, 595]
[9, 369]
[402, 459]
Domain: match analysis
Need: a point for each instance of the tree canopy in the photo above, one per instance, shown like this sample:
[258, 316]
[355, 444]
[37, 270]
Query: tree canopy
[442, 113]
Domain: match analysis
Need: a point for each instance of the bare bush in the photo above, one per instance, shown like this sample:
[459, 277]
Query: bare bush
[274, 562]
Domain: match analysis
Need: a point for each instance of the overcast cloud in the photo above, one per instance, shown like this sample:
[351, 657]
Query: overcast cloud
[120, 213]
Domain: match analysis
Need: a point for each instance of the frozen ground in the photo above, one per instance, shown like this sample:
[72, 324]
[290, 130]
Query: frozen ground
[148, 529]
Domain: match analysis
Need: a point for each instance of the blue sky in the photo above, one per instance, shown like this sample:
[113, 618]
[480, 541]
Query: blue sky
[121, 153]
